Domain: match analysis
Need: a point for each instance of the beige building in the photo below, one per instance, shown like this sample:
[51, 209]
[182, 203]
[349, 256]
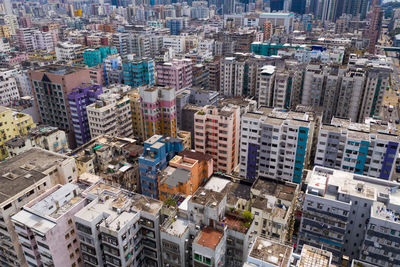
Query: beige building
[273, 206]
[216, 132]
[23, 178]
[46, 137]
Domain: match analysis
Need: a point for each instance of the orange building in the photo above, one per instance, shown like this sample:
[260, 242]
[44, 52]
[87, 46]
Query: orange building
[185, 174]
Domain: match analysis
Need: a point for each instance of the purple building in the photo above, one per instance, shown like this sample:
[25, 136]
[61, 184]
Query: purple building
[78, 100]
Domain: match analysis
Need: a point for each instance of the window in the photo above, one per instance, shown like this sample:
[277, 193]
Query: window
[66, 236]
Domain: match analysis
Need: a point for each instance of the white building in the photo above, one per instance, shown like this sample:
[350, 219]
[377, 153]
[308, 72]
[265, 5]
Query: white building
[278, 19]
[363, 148]
[67, 51]
[268, 253]
[4, 45]
[177, 43]
[351, 215]
[265, 85]
[275, 144]
[231, 76]
[111, 113]
[119, 228]
[8, 86]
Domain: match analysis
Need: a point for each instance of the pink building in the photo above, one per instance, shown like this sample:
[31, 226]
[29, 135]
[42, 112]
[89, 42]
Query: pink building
[16, 58]
[158, 108]
[26, 39]
[216, 132]
[176, 73]
[46, 227]
[25, 22]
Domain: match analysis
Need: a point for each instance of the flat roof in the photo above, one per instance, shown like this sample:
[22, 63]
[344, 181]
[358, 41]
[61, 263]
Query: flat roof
[284, 191]
[20, 172]
[209, 237]
[207, 197]
[176, 227]
[271, 252]
[311, 256]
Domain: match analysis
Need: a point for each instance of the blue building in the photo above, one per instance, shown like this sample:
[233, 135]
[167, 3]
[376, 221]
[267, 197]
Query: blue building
[158, 151]
[137, 72]
[175, 26]
[94, 57]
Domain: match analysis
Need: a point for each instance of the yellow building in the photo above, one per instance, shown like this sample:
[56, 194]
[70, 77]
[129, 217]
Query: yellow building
[12, 124]
[78, 13]
[4, 31]
[43, 55]
[137, 119]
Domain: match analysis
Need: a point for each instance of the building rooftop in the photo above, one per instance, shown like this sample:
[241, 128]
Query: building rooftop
[285, 191]
[329, 183]
[60, 69]
[311, 257]
[233, 190]
[271, 252]
[209, 237]
[207, 197]
[235, 223]
[175, 227]
[174, 176]
[195, 155]
[41, 213]
[20, 172]
[56, 203]
[120, 205]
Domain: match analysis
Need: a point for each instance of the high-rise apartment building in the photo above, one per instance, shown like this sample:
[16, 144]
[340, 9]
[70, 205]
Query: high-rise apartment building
[23, 178]
[46, 229]
[78, 100]
[111, 113]
[267, 30]
[378, 78]
[51, 85]
[137, 72]
[362, 148]
[26, 39]
[137, 118]
[275, 144]
[12, 124]
[286, 88]
[351, 215]
[216, 132]
[176, 73]
[265, 86]
[158, 106]
[158, 151]
[11, 21]
[94, 57]
[231, 76]
[119, 227]
[350, 94]
[9, 87]
[213, 69]
[113, 69]
[69, 53]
